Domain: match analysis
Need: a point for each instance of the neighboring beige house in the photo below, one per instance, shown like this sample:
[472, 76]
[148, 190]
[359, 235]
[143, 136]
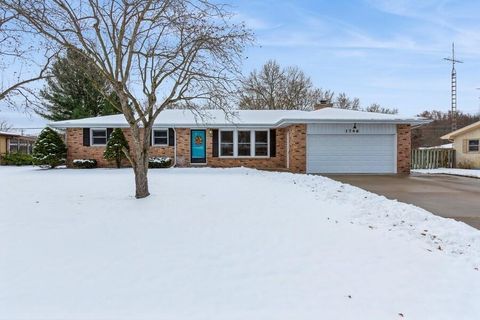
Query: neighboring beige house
[466, 145]
[11, 142]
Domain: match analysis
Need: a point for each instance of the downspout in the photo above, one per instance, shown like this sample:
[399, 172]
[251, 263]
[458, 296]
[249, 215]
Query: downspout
[288, 149]
[174, 147]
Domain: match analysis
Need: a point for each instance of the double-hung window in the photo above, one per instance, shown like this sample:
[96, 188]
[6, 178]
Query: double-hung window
[244, 147]
[99, 137]
[244, 143]
[473, 145]
[261, 143]
[160, 137]
[13, 145]
[226, 143]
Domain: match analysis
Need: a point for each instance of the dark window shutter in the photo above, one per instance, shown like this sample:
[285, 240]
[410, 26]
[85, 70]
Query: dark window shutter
[109, 132]
[151, 138]
[86, 137]
[273, 143]
[215, 142]
[171, 137]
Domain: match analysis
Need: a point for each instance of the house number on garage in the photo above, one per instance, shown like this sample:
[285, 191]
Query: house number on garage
[353, 129]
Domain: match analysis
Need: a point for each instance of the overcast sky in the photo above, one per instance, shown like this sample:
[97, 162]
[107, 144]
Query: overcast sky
[384, 51]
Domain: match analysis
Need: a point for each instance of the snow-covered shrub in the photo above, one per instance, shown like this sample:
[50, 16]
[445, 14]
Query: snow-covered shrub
[115, 145]
[49, 150]
[159, 162]
[85, 163]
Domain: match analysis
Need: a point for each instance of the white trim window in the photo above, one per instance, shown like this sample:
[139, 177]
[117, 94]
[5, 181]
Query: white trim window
[262, 143]
[98, 137]
[160, 137]
[226, 143]
[244, 147]
[244, 143]
[473, 145]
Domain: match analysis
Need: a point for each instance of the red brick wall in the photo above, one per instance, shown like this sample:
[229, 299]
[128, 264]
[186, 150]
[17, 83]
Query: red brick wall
[182, 141]
[272, 163]
[403, 148]
[76, 150]
[298, 148]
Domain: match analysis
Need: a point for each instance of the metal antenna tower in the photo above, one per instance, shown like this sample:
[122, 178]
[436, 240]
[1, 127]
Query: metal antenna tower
[478, 104]
[454, 87]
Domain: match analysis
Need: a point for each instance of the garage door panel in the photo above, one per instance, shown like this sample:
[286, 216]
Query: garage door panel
[355, 153]
[360, 152]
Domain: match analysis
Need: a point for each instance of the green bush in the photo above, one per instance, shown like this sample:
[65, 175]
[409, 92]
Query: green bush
[115, 146]
[159, 162]
[49, 149]
[84, 163]
[16, 159]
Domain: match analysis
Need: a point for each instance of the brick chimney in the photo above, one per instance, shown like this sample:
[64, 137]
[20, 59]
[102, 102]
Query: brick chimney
[323, 104]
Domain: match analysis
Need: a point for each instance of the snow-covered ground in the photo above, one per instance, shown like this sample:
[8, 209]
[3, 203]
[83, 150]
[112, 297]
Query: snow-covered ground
[225, 244]
[456, 172]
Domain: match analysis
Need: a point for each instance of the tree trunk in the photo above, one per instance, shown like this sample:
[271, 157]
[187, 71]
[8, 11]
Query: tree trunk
[141, 180]
[138, 154]
[140, 161]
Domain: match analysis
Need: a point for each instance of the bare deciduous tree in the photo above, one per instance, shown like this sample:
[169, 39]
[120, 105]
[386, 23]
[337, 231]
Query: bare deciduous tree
[276, 88]
[375, 107]
[16, 48]
[5, 126]
[429, 134]
[342, 101]
[155, 53]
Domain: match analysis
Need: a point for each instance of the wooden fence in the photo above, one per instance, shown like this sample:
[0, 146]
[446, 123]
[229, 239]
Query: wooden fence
[433, 158]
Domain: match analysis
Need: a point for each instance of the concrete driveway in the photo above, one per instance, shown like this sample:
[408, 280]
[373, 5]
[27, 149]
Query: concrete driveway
[447, 196]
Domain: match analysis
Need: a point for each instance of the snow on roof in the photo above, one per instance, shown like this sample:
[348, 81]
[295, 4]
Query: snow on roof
[7, 133]
[442, 146]
[271, 118]
[458, 132]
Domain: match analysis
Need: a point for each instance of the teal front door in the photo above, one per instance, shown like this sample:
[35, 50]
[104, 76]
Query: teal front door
[198, 148]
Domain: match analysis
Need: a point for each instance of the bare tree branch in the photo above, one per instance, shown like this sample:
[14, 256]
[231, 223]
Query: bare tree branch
[15, 48]
[155, 54]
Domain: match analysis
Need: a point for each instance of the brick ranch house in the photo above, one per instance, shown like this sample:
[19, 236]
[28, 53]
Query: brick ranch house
[327, 140]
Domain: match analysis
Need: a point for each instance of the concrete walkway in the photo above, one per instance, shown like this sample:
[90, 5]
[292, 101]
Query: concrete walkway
[447, 196]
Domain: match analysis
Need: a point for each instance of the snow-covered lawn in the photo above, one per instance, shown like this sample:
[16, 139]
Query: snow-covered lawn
[225, 244]
[456, 172]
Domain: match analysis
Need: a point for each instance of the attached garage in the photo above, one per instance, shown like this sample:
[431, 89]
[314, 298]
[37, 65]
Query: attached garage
[351, 148]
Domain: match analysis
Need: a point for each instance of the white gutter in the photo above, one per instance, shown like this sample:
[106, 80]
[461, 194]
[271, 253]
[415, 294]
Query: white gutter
[280, 123]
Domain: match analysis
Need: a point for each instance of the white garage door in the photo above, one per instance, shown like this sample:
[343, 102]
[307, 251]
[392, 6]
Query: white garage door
[370, 150]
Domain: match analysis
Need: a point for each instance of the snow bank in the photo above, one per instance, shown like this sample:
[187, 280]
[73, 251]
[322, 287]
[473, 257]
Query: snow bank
[456, 172]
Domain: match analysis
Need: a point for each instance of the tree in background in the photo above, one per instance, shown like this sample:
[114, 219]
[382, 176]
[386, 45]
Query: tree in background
[16, 48]
[49, 150]
[5, 126]
[428, 135]
[117, 147]
[344, 102]
[277, 88]
[76, 89]
[274, 88]
[375, 107]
